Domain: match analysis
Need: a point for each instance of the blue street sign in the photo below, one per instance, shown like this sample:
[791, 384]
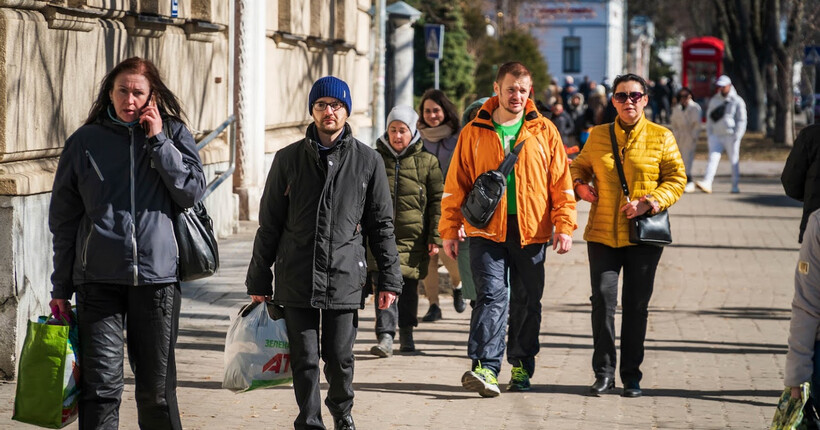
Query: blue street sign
[811, 55]
[434, 41]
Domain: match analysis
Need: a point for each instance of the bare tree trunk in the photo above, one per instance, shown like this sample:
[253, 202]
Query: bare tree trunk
[783, 56]
[739, 25]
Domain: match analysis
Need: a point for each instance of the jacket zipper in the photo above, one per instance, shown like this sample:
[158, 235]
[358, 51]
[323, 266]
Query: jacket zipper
[396, 191]
[94, 165]
[133, 212]
[85, 247]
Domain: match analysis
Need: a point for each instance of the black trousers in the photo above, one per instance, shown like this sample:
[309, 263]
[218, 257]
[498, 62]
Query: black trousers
[334, 342]
[639, 263]
[404, 311]
[150, 316]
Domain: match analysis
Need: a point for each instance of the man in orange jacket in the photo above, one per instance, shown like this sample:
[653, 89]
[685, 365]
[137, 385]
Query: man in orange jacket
[539, 205]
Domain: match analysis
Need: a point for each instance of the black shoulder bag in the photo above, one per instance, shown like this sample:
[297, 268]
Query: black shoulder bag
[646, 229]
[479, 206]
[198, 251]
[196, 241]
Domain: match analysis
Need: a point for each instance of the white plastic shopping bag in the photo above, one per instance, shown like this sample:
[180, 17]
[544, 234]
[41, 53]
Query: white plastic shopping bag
[257, 352]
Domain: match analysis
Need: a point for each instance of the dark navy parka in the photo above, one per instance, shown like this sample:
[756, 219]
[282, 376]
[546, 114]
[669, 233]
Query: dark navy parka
[113, 202]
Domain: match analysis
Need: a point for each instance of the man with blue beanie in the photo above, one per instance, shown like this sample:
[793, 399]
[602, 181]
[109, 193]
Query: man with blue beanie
[324, 194]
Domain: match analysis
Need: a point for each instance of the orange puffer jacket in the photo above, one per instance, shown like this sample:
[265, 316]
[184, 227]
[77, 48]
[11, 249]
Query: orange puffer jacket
[543, 183]
[652, 165]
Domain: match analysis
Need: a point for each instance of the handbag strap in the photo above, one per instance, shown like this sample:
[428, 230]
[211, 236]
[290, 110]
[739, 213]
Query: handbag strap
[507, 164]
[618, 164]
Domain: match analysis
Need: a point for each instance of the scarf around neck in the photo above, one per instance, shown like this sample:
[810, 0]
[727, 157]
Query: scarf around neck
[434, 134]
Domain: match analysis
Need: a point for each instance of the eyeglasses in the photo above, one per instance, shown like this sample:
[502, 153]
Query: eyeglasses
[321, 106]
[633, 96]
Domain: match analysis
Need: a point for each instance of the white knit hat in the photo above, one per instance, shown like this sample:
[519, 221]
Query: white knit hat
[405, 114]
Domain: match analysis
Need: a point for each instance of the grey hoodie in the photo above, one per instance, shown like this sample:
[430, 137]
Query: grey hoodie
[113, 201]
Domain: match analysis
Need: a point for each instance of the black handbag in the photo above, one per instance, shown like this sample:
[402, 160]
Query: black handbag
[717, 113]
[646, 229]
[479, 206]
[198, 251]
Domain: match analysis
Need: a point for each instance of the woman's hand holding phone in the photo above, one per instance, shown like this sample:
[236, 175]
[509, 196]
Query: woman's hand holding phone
[149, 117]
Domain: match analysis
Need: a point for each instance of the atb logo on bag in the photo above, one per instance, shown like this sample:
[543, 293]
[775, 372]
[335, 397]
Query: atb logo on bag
[275, 364]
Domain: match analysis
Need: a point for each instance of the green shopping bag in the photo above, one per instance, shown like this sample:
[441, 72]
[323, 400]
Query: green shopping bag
[48, 376]
[789, 412]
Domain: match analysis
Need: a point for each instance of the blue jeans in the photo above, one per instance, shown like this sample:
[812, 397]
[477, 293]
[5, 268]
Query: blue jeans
[494, 266]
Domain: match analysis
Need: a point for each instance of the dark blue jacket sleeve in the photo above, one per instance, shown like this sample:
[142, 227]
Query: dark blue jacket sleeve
[177, 161]
[64, 216]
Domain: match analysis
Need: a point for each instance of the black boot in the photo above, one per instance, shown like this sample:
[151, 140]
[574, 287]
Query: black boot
[385, 347]
[603, 384]
[344, 423]
[433, 314]
[458, 300]
[406, 339]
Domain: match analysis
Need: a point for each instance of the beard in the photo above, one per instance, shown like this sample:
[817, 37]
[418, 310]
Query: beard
[329, 129]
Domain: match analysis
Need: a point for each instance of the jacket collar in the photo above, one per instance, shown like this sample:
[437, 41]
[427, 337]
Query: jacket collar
[620, 133]
[312, 138]
[484, 118]
[383, 146]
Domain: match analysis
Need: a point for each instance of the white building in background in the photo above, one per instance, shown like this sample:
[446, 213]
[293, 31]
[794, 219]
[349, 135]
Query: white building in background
[580, 37]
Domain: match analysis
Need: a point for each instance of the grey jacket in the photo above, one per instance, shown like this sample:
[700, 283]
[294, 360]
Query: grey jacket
[314, 216]
[804, 329]
[113, 201]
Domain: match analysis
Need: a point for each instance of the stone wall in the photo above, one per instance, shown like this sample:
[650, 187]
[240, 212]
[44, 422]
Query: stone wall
[53, 56]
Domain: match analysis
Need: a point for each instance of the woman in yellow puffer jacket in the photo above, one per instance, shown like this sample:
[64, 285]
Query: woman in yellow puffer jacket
[654, 171]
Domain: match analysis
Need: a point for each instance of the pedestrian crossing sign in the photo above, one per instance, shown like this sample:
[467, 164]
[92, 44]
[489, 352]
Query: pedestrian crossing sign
[433, 41]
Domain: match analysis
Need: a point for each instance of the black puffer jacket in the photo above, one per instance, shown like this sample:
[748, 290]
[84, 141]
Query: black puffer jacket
[312, 219]
[801, 175]
[113, 202]
[416, 185]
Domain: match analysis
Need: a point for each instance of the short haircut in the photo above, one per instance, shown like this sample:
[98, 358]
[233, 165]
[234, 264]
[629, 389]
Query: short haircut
[515, 68]
[629, 77]
[685, 90]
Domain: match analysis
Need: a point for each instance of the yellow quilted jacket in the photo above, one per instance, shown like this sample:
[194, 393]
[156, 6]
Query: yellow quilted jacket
[652, 165]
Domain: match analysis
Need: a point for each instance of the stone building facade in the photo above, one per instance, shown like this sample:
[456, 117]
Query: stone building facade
[255, 59]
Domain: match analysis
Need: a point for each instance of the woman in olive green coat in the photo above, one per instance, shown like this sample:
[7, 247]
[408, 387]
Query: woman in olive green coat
[416, 185]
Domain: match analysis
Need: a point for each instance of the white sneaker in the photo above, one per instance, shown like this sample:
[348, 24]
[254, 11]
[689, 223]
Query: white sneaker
[703, 186]
[690, 188]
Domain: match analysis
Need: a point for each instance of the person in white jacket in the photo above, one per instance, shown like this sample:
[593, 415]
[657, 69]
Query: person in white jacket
[725, 126]
[685, 124]
[803, 357]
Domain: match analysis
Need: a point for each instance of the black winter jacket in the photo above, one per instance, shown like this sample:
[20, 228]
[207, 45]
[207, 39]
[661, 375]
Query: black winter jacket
[113, 202]
[312, 219]
[801, 174]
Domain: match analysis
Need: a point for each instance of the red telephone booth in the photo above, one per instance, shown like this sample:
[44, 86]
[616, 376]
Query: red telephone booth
[702, 64]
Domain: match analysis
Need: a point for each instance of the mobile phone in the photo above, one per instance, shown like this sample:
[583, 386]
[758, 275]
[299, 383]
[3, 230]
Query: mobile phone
[150, 98]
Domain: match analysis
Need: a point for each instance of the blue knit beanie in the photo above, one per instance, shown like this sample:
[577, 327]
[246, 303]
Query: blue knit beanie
[330, 86]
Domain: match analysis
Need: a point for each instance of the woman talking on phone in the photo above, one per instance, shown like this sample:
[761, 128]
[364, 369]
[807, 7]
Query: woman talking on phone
[121, 178]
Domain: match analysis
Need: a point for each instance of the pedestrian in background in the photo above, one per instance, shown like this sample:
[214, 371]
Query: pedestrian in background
[654, 171]
[121, 179]
[323, 194]
[415, 181]
[803, 356]
[801, 174]
[513, 245]
[725, 126]
[439, 128]
[685, 123]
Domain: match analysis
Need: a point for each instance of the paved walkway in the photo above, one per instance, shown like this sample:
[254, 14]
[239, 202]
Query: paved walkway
[715, 344]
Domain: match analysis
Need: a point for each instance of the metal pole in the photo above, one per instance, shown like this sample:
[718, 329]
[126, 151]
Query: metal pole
[380, 16]
[436, 70]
